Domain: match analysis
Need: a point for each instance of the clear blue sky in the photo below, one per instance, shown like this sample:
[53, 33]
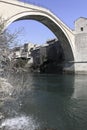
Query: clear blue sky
[67, 10]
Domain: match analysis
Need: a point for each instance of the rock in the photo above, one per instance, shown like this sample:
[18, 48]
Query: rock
[1, 116]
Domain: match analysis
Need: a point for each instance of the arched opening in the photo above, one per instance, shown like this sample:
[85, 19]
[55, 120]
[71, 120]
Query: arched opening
[67, 53]
[31, 31]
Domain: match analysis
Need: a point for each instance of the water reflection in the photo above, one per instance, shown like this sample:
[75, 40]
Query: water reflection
[61, 84]
[49, 99]
[55, 101]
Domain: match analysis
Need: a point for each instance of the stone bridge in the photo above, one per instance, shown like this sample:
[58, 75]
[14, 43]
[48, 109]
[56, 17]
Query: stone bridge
[13, 10]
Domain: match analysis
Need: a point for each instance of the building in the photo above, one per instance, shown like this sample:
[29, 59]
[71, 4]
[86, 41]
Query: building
[54, 57]
[81, 25]
[22, 51]
[43, 53]
[55, 51]
[48, 57]
[35, 53]
[15, 53]
[26, 50]
[81, 43]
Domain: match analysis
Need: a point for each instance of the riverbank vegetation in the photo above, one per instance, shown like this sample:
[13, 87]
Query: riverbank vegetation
[7, 40]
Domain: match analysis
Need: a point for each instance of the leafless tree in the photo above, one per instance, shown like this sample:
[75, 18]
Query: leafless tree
[7, 39]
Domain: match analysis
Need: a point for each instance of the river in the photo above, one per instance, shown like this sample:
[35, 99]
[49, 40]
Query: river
[40, 101]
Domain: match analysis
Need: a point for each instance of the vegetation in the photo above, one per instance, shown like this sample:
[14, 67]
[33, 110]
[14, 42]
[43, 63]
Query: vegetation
[7, 40]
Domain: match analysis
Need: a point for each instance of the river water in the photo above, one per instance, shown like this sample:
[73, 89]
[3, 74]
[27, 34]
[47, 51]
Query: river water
[40, 101]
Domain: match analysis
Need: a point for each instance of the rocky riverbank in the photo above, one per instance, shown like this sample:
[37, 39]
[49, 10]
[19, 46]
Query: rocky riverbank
[9, 120]
[6, 90]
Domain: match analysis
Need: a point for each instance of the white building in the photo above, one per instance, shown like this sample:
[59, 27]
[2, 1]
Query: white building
[26, 49]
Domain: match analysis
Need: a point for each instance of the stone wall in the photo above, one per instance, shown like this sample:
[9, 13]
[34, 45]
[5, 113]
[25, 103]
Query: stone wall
[81, 45]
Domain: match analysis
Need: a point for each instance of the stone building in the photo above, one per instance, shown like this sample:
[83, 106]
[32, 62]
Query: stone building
[26, 50]
[35, 53]
[43, 53]
[81, 25]
[54, 57]
[48, 57]
[15, 53]
[81, 43]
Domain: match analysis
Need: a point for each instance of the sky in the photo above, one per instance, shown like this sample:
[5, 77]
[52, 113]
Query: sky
[67, 10]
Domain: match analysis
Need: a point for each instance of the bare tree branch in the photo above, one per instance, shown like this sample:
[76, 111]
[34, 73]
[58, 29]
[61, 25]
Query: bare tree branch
[6, 40]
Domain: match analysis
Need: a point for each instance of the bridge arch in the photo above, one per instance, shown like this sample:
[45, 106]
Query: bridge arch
[26, 11]
[56, 28]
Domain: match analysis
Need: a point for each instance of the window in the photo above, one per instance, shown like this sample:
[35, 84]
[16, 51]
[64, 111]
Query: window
[81, 28]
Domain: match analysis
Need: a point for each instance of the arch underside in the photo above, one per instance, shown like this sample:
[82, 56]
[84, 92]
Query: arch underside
[68, 54]
[67, 50]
